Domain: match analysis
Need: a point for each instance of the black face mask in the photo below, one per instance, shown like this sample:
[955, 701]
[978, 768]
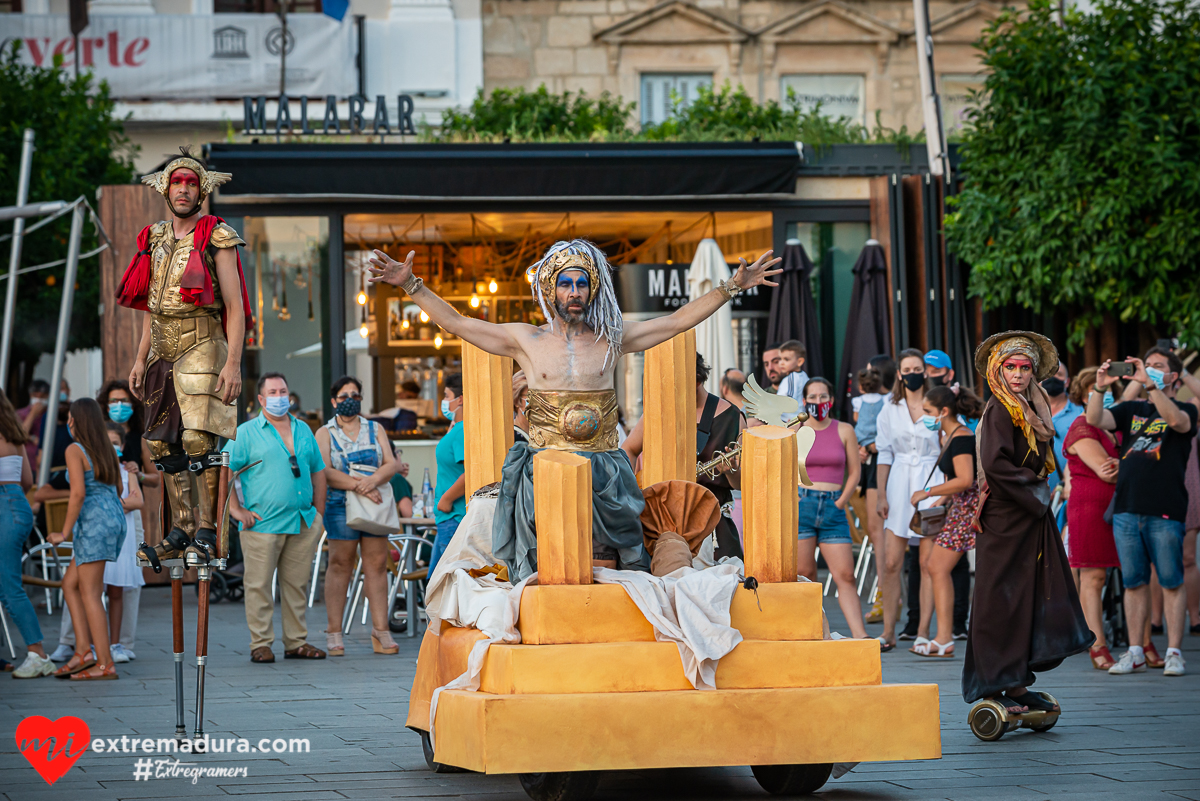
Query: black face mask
[938, 380]
[913, 381]
[1054, 386]
[350, 407]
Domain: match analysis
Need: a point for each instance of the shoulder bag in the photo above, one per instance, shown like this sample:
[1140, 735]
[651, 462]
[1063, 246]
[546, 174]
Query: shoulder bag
[929, 522]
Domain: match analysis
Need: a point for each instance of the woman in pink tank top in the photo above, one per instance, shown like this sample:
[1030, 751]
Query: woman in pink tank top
[833, 467]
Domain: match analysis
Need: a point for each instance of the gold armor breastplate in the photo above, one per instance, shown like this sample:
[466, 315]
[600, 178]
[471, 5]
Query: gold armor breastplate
[569, 420]
[171, 337]
[169, 257]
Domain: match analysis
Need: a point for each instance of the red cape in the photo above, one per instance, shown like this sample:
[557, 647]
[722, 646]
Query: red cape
[196, 287]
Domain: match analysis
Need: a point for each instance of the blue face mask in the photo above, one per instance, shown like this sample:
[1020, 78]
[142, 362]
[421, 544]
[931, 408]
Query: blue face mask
[449, 415]
[120, 411]
[932, 423]
[64, 397]
[1157, 376]
[277, 405]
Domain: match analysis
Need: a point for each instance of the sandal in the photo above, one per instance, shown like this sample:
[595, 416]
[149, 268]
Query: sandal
[1034, 702]
[1102, 659]
[920, 647]
[885, 646]
[74, 665]
[945, 651]
[305, 651]
[382, 642]
[333, 643]
[262, 653]
[1010, 705]
[1153, 660]
[107, 673]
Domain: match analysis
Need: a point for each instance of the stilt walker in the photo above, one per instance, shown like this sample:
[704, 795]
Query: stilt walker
[187, 278]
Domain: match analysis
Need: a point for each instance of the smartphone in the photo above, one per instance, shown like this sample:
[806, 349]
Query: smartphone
[1120, 369]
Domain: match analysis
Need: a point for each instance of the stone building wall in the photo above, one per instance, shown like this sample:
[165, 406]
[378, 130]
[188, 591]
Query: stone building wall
[607, 45]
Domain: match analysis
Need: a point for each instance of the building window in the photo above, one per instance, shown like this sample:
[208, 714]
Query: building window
[264, 6]
[837, 95]
[657, 99]
[956, 91]
[10, 6]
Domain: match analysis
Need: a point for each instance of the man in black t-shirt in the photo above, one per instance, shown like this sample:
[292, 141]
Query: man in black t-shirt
[1151, 498]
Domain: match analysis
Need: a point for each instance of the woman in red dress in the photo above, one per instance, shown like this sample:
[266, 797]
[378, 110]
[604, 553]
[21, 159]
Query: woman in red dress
[1091, 455]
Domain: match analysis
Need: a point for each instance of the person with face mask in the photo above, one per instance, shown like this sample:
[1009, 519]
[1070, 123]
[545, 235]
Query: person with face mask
[350, 441]
[1151, 503]
[451, 489]
[1063, 412]
[907, 453]
[833, 465]
[121, 406]
[280, 522]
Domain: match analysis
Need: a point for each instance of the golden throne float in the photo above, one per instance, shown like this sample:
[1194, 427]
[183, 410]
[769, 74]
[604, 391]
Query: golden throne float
[589, 689]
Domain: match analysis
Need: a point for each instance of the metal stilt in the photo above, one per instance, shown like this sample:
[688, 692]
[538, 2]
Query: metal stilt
[177, 645]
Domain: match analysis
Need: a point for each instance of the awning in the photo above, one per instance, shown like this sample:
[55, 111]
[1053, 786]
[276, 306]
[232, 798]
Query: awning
[363, 171]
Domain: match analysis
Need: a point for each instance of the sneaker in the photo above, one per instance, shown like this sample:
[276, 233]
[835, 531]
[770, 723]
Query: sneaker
[1174, 666]
[62, 653]
[960, 635]
[907, 635]
[1126, 665]
[119, 654]
[36, 666]
[129, 653]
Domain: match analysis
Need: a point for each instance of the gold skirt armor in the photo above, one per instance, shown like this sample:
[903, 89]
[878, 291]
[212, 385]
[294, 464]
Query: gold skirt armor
[570, 420]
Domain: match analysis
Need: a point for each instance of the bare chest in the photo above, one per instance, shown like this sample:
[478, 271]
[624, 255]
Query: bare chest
[555, 361]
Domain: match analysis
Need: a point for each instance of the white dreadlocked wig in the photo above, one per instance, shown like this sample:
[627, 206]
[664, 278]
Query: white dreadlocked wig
[602, 314]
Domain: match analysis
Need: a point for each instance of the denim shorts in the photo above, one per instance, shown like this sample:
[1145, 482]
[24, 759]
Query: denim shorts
[820, 517]
[1142, 540]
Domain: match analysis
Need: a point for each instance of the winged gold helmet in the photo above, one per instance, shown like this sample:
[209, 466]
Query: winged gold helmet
[209, 179]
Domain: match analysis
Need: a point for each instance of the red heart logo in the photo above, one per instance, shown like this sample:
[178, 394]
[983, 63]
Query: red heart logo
[52, 746]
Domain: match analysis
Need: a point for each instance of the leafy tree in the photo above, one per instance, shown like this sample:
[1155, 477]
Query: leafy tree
[1082, 164]
[80, 146]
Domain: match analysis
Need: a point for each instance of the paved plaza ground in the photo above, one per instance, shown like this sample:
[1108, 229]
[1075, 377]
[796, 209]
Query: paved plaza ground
[1130, 738]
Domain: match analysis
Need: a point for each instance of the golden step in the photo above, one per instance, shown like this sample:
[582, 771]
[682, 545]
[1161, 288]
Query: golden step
[623, 731]
[656, 666]
[597, 613]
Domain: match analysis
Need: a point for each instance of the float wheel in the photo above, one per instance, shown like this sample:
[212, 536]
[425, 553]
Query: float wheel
[792, 779]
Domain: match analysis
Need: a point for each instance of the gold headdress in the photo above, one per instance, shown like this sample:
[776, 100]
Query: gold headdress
[209, 180]
[1029, 412]
[602, 314]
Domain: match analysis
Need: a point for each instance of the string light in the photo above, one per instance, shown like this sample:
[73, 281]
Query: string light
[404, 323]
[474, 301]
[363, 331]
[437, 341]
[362, 298]
[480, 287]
[493, 287]
[424, 316]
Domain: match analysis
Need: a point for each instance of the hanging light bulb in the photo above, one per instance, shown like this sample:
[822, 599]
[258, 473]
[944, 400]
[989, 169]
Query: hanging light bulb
[437, 341]
[404, 323]
[424, 316]
[362, 298]
[363, 331]
[480, 287]
[493, 287]
[474, 301]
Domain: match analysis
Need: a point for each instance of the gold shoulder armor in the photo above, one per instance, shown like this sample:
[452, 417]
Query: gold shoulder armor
[159, 230]
[223, 236]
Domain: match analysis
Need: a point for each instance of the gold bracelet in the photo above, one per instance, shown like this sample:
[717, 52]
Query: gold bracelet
[412, 285]
[729, 289]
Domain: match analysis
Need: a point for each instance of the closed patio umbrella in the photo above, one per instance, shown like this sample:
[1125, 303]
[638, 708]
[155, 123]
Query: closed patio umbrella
[793, 309]
[714, 336]
[867, 328]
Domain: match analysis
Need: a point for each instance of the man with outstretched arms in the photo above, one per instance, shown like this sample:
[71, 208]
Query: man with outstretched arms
[569, 363]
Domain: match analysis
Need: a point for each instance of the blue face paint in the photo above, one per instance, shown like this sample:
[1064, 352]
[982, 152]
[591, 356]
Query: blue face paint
[579, 284]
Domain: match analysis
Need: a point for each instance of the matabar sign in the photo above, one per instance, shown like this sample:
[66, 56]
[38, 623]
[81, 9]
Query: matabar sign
[319, 115]
[663, 288]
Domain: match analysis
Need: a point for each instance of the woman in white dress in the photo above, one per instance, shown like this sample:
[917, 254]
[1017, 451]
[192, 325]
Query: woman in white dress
[907, 454]
[124, 574]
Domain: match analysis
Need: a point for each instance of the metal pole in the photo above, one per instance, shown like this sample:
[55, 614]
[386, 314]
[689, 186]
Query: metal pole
[60, 343]
[32, 209]
[14, 256]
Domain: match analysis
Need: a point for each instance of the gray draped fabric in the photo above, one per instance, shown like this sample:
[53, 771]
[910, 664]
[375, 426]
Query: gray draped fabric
[793, 308]
[617, 505]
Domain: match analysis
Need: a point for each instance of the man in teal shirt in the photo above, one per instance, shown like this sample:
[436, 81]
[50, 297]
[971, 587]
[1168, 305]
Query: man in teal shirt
[280, 525]
[451, 481]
